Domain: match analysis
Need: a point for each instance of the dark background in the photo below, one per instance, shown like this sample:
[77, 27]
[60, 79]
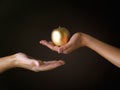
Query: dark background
[23, 23]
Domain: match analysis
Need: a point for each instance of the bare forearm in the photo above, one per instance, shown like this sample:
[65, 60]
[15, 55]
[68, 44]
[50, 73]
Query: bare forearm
[21, 60]
[109, 52]
[7, 63]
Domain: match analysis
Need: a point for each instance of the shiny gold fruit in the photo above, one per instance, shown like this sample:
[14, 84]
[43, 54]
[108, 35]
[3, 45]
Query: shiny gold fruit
[60, 36]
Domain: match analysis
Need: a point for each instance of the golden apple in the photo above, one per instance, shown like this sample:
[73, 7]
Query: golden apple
[60, 36]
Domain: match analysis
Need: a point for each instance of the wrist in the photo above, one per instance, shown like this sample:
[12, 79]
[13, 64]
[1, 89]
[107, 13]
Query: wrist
[12, 60]
[85, 39]
[16, 59]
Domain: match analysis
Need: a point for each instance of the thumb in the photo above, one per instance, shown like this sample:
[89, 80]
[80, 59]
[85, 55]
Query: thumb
[64, 48]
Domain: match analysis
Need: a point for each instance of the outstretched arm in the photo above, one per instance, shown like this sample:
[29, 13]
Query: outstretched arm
[111, 53]
[22, 61]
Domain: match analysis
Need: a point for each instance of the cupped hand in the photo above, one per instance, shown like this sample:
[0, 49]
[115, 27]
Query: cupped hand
[75, 42]
[23, 61]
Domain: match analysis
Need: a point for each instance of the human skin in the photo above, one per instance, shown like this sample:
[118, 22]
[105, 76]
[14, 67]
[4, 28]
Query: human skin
[79, 39]
[21, 60]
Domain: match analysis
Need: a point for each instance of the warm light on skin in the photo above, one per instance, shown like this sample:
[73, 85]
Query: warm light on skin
[60, 36]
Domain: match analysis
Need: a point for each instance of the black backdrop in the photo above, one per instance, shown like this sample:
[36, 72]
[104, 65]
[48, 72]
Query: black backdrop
[23, 23]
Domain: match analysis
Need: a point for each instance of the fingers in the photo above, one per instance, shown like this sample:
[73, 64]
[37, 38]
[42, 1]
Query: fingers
[61, 49]
[35, 65]
[49, 45]
[64, 49]
[74, 43]
[55, 61]
[67, 48]
[49, 65]
[46, 43]
[32, 64]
